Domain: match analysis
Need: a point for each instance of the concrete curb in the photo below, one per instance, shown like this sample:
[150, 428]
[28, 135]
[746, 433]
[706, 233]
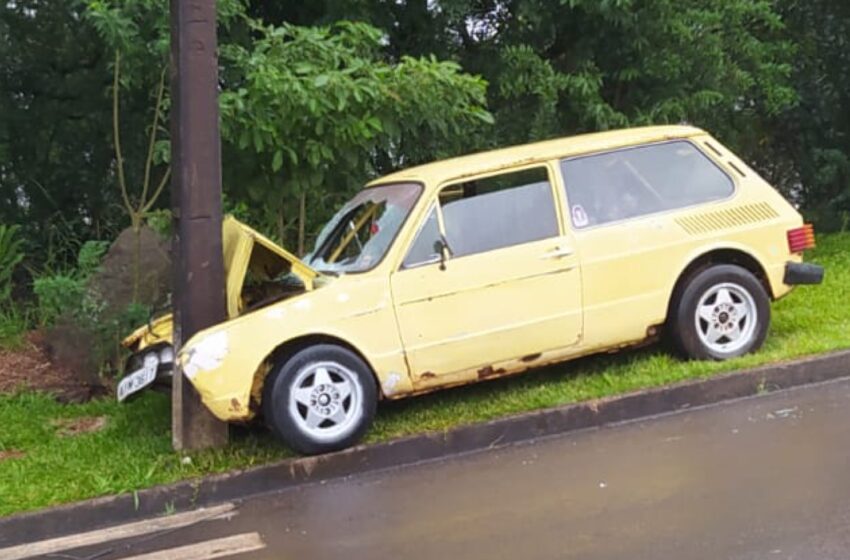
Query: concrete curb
[112, 510]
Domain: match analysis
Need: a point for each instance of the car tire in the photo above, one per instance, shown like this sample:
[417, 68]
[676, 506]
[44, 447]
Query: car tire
[722, 312]
[321, 399]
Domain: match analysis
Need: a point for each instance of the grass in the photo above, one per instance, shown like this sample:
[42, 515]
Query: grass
[14, 324]
[133, 450]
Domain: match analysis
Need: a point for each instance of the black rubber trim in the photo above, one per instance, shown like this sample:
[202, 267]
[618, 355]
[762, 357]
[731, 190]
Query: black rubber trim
[802, 273]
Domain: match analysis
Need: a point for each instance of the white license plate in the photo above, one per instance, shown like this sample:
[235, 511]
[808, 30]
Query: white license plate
[139, 379]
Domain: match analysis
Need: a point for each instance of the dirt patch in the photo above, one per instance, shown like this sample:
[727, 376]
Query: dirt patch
[9, 454]
[75, 426]
[30, 368]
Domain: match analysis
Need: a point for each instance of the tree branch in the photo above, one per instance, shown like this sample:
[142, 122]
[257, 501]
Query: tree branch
[149, 162]
[122, 183]
[158, 191]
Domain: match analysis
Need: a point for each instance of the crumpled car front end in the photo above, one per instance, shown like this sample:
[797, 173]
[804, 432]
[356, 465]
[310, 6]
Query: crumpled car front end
[258, 273]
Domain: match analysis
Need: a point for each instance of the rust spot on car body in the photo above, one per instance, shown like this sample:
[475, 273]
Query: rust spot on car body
[488, 371]
[235, 405]
[531, 357]
[428, 375]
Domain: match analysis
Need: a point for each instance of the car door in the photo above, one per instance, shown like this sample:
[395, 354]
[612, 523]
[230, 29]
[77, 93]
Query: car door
[509, 287]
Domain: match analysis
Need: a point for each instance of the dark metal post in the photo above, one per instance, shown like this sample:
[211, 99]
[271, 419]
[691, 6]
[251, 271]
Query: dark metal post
[199, 294]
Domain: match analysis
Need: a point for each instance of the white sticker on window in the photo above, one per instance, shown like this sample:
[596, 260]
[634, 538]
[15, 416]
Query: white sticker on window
[579, 216]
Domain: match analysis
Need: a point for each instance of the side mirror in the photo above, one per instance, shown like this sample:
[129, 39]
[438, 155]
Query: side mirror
[441, 247]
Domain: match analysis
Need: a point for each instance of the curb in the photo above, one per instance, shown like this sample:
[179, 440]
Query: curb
[206, 491]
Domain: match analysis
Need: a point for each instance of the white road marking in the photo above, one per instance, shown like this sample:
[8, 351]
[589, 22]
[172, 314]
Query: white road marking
[216, 548]
[118, 532]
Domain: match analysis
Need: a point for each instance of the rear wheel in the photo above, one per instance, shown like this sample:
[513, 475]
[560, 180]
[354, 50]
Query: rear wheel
[321, 399]
[723, 312]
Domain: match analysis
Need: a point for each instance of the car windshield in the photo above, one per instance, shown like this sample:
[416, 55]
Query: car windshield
[357, 237]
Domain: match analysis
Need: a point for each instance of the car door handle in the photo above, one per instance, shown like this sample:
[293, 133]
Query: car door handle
[557, 253]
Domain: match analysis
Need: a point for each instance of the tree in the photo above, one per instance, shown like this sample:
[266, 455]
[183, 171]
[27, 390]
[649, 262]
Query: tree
[322, 112]
[561, 67]
[813, 138]
[138, 33]
[55, 153]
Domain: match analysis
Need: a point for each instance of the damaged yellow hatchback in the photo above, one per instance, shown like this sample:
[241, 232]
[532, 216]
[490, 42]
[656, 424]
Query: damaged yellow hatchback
[490, 264]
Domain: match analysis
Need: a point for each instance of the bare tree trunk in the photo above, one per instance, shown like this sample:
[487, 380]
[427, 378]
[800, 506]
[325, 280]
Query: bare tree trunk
[302, 218]
[281, 224]
[136, 213]
[136, 221]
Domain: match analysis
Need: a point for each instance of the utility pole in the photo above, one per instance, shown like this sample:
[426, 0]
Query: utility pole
[198, 285]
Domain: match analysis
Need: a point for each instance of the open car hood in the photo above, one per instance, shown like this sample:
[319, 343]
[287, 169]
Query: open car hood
[236, 233]
[247, 254]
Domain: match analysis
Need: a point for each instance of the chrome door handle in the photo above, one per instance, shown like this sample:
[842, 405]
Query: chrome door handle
[557, 253]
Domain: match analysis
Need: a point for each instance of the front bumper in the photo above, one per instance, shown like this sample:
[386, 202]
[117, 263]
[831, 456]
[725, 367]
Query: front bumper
[802, 273]
[164, 359]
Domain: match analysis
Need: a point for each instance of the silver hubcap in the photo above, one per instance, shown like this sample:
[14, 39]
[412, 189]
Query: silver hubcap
[726, 318]
[326, 400]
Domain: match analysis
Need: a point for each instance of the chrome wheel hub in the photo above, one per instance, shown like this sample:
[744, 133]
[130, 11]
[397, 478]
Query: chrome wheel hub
[726, 318]
[325, 400]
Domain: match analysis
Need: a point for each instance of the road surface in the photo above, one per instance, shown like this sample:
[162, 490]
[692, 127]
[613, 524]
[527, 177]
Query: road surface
[759, 478]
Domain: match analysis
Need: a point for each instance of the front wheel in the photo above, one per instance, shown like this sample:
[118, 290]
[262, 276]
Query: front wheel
[723, 312]
[321, 399]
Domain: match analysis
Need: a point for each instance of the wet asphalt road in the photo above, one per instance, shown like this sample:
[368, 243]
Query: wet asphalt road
[760, 478]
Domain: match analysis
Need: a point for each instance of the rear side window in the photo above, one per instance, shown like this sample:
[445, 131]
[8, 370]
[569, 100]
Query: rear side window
[501, 211]
[634, 182]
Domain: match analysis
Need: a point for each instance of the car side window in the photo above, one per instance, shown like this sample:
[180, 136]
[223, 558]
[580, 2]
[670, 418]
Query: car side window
[632, 182]
[481, 215]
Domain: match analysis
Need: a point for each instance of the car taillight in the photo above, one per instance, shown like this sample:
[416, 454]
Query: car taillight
[801, 238]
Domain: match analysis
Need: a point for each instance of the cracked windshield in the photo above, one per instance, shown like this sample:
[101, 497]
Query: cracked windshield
[357, 237]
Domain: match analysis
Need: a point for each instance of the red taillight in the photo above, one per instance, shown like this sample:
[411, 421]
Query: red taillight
[801, 238]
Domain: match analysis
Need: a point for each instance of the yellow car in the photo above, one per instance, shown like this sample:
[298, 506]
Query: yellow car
[490, 264]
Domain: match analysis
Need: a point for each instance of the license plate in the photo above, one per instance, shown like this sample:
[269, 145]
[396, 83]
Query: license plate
[139, 379]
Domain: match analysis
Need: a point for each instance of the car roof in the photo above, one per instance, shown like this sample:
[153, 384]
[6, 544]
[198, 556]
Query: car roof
[445, 170]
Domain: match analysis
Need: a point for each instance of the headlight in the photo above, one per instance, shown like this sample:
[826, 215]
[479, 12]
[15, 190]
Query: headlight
[166, 355]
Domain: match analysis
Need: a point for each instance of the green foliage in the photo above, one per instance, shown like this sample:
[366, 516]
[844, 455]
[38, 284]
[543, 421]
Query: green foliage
[813, 138]
[584, 65]
[57, 295]
[11, 254]
[55, 157]
[134, 315]
[108, 329]
[160, 221]
[14, 323]
[139, 29]
[65, 293]
[302, 119]
[317, 110]
[90, 256]
[67, 298]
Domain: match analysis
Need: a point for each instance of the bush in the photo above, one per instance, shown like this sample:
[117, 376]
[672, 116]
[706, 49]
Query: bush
[90, 256]
[160, 221]
[65, 293]
[74, 310]
[13, 325]
[58, 295]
